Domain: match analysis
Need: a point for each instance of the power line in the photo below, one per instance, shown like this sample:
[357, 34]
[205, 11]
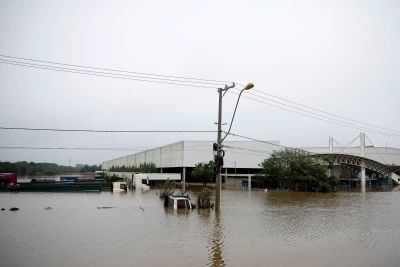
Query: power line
[347, 123]
[122, 71]
[322, 111]
[358, 128]
[107, 76]
[100, 72]
[266, 142]
[250, 154]
[104, 131]
[248, 149]
[89, 148]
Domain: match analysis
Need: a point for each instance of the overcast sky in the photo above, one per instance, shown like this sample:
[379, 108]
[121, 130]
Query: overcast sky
[342, 57]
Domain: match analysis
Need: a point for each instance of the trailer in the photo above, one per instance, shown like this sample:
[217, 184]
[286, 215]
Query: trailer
[145, 180]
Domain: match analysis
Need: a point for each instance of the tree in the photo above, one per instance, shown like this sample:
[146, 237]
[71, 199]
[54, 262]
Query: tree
[204, 171]
[296, 170]
[204, 199]
[167, 189]
[394, 168]
[143, 167]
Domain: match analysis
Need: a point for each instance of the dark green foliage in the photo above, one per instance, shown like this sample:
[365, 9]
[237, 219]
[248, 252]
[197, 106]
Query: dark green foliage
[204, 199]
[204, 171]
[143, 167]
[297, 170]
[395, 169]
[166, 189]
[92, 168]
[32, 168]
[112, 178]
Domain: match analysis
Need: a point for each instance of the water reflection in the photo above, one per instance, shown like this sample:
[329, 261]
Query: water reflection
[216, 243]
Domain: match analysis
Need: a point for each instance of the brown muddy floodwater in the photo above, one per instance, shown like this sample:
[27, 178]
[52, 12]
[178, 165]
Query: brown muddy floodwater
[255, 228]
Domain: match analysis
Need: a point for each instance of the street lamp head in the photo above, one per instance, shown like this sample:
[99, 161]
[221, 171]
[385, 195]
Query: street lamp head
[249, 86]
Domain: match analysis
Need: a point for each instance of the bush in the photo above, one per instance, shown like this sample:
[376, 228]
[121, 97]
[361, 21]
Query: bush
[112, 178]
[204, 199]
[166, 189]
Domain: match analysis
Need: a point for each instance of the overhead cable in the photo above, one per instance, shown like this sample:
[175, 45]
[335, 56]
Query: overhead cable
[90, 149]
[325, 117]
[107, 73]
[104, 131]
[328, 113]
[107, 76]
[270, 143]
[115, 70]
[358, 128]
[248, 149]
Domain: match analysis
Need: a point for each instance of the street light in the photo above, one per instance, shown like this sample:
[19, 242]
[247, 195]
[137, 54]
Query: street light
[219, 144]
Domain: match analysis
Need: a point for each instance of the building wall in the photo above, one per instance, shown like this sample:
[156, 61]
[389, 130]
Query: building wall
[247, 154]
[166, 156]
[239, 154]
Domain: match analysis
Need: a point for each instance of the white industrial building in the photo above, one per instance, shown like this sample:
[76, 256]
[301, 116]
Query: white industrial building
[242, 158]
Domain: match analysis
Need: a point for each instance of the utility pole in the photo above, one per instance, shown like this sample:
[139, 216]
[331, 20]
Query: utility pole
[219, 149]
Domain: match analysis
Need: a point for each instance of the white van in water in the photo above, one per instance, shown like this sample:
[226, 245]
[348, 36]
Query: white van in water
[179, 202]
[119, 187]
[140, 181]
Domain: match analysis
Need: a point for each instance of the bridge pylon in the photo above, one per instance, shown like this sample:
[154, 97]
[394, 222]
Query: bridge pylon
[362, 155]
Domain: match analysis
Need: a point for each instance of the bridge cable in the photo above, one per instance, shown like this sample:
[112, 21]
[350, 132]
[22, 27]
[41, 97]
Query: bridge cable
[376, 150]
[349, 144]
[337, 143]
[321, 143]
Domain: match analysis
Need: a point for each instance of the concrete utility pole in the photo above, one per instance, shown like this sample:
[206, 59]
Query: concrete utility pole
[219, 159]
[219, 148]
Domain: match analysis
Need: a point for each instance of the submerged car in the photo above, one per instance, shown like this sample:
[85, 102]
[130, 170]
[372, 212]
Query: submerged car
[178, 202]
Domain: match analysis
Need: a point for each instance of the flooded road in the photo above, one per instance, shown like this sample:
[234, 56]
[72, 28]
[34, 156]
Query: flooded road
[253, 229]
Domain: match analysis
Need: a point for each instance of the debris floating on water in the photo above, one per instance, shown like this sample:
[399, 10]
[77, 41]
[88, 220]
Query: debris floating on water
[3, 209]
[48, 208]
[14, 209]
[141, 208]
[105, 207]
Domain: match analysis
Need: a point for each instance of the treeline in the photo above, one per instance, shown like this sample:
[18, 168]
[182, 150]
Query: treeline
[89, 168]
[395, 169]
[143, 167]
[32, 168]
[297, 170]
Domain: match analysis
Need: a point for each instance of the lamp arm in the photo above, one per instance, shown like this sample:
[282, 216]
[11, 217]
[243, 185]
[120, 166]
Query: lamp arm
[233, 116]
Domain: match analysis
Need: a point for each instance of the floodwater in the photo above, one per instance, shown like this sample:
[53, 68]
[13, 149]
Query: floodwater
[276, 228]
